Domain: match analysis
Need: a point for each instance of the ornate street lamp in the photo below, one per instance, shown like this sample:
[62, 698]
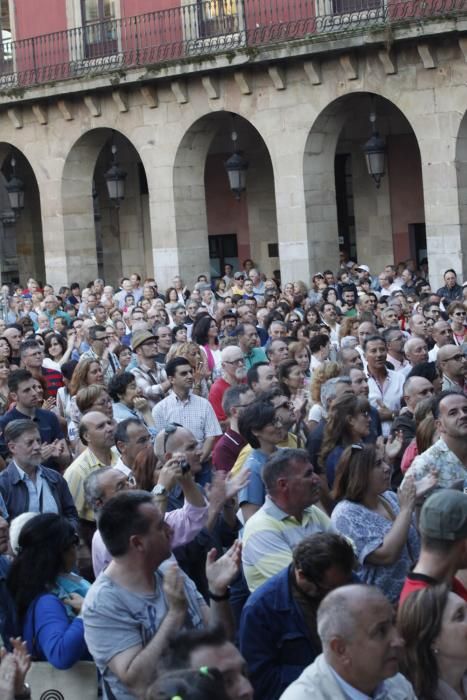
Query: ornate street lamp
[15, 189]
[375, 153]
[115, 179]
[236, 167]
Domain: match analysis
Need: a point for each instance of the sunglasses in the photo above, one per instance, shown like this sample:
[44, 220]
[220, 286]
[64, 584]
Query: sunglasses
[169, 429]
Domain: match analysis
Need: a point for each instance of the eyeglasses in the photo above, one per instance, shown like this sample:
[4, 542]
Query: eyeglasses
[169, 429]
[240, 361]
[459, 313]
[456, 357]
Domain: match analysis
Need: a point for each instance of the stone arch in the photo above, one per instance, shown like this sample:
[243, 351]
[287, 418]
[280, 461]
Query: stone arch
[199, 180]
[388, 225]
[21, 241]
[101, 239]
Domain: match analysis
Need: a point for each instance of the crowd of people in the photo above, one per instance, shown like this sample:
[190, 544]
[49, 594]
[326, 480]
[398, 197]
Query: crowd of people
[253, 489]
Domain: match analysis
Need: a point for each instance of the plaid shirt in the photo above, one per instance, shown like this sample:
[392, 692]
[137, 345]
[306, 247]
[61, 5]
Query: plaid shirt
[194, 413]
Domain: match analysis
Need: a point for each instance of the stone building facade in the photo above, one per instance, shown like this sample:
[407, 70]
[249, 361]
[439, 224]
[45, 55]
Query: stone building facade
[297, 106]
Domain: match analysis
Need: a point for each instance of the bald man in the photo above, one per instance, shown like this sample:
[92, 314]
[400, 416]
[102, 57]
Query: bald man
[361, 649]
[96, 432]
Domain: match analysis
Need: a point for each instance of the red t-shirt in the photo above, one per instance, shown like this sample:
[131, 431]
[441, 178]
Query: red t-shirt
[415, 582]
[216, 393]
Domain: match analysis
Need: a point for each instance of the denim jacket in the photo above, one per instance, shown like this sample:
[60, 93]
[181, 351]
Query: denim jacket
[274, 637]
[16, 496]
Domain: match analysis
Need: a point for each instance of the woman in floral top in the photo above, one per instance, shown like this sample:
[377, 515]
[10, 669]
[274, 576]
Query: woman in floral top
[378, 522]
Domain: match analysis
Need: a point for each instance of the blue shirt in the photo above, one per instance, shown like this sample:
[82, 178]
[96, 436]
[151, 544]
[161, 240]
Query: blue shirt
[254, 492]
[41, 499]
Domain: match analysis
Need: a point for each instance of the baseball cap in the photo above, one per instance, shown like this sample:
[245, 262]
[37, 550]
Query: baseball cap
[365, 268]
[239, 276]
[444, 516]
[140, 337]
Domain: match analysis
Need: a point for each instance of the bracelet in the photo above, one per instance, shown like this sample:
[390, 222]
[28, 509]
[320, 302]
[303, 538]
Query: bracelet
[25, 693]
[219, 598]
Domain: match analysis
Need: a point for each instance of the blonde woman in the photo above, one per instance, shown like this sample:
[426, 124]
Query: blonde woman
[198, 361]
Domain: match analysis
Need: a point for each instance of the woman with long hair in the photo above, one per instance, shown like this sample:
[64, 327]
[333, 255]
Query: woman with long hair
[292, 384]
[4, 390]
[378, 522]
[349, 326]
[87, 372]
[48, 596]
[57, 350]
[206, 334]
[348, 423]
[433, 624]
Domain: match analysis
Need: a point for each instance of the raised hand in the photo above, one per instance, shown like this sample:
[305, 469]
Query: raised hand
[221, 572]
[394, 444]
[170, 473]
[174, 590]
[407, 493]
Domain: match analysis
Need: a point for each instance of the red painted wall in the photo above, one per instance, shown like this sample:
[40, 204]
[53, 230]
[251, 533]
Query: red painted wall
[405, 191]
[33, 19]
[225, 214]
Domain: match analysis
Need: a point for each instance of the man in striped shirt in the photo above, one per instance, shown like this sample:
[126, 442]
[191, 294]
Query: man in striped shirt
[286, 518]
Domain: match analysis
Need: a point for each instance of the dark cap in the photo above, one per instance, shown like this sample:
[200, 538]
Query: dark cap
[141, 337]
[444, 516]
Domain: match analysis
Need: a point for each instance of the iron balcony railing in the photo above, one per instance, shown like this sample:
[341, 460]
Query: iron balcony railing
[202, 28]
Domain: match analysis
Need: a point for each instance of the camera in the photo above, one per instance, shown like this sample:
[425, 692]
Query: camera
[185, 467]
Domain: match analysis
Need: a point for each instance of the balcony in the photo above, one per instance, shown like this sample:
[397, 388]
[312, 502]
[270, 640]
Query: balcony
[201, 29]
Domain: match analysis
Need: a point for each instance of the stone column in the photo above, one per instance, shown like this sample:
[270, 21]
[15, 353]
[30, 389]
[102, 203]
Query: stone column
[444, 188]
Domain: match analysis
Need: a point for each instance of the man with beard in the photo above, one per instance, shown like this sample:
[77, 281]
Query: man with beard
[182, 406]
[278, 635]
[448, 455]
[233, 372]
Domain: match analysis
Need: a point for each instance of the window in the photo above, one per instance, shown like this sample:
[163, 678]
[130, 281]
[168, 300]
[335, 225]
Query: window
[223, 249]
[100, 33]
[6, 38]
[217, 17]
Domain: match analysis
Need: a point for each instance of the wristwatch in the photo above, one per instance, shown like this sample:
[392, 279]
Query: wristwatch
[159, 490]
